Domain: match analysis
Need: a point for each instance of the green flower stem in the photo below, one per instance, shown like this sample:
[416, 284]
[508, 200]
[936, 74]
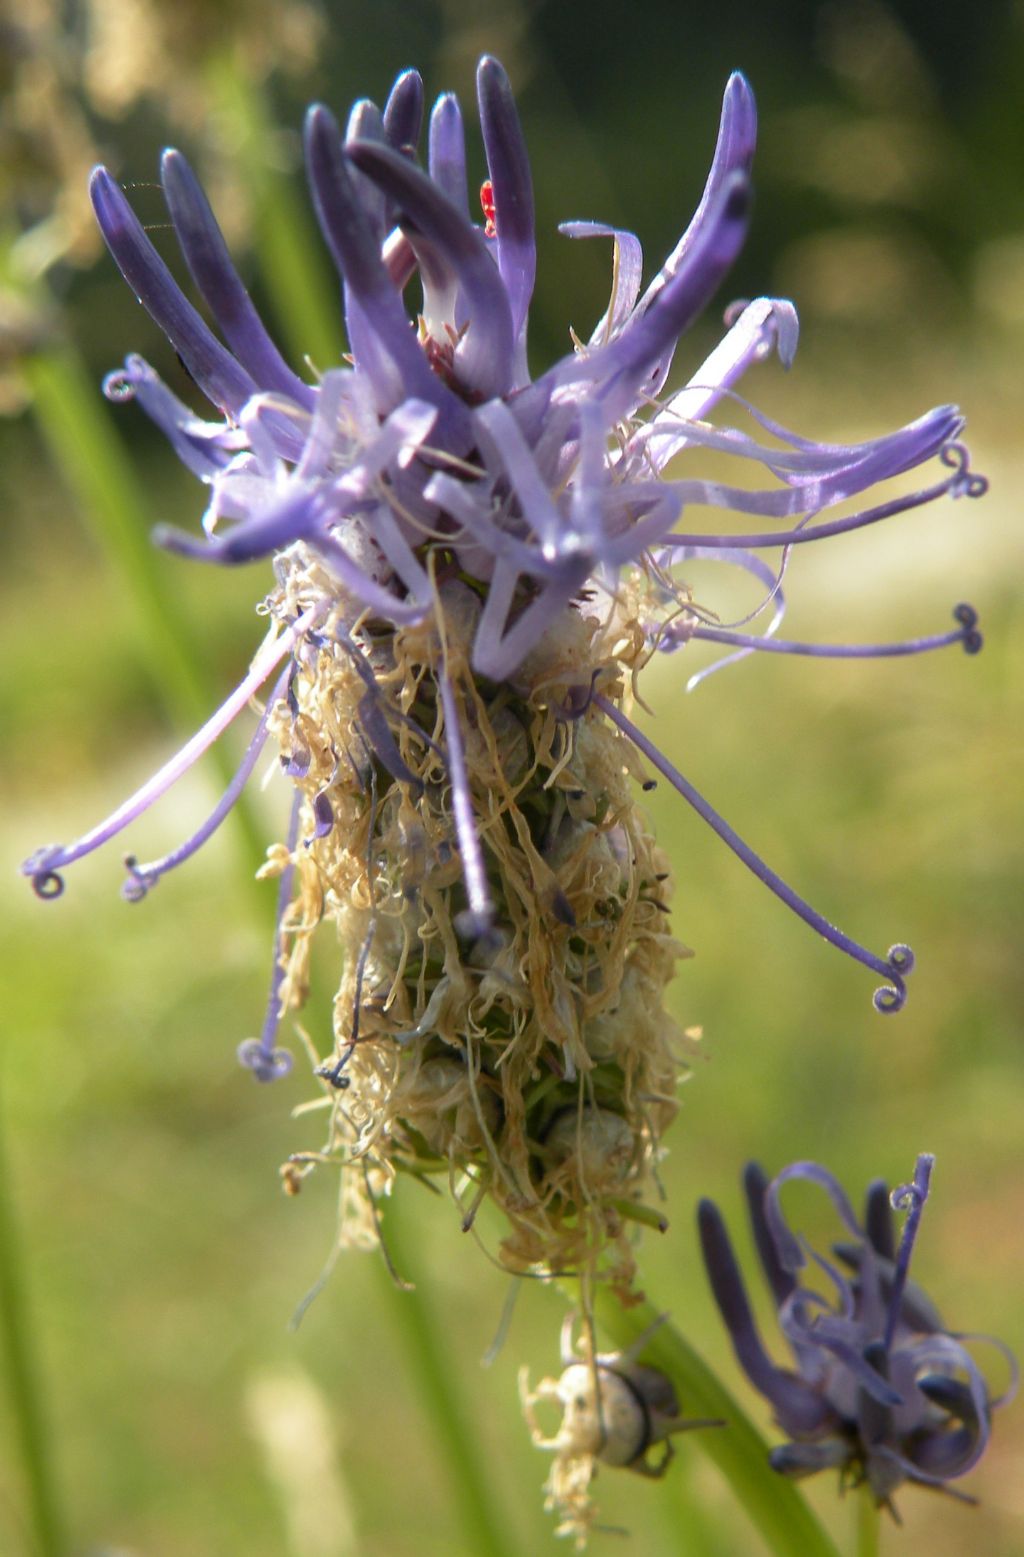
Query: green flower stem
[693, 1526]
[486, 1531]
[33, 1441]
[70, 414]
[783, 1517]
[868, 1524]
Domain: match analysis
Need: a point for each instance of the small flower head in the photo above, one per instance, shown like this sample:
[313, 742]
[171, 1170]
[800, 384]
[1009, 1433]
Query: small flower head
[880, 1390]
[615, 1412]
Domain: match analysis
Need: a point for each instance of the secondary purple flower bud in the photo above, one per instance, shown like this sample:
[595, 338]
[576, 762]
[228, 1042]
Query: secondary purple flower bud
[880, 1389]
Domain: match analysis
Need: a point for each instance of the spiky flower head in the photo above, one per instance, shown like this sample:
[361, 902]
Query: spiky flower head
[880, 1390]
[472, 567]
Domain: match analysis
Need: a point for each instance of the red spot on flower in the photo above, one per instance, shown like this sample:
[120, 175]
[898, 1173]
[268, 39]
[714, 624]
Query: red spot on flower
[488, 207]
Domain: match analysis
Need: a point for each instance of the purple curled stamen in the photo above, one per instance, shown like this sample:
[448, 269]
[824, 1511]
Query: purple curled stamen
[910, 1198]
[971, 637]
[265, 1064]
[889, 998]
[966, 482]
[119, 386]
[333, 1071]
[136, 886]
[46, 882]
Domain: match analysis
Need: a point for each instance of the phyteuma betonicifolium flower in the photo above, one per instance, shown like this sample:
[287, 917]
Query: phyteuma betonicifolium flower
[881, 1391]
[471, 570]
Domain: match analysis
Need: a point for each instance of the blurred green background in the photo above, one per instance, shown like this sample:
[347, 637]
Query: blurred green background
[158, 1259]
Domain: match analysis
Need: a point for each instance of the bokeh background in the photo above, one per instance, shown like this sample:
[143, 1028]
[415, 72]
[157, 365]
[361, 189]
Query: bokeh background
[156, 1260]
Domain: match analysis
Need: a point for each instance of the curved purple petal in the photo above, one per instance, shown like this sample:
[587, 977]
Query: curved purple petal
[403, 112]
[755, 1187]
[446, 160]
[484, 351]
[209, 263]
[878, 1223]
[620, 371]
[382, 340]
[798, 1408]
[791, 1255]
[627, 272]
[207, 448]
[366, 122]
[734, 153]
[218, 375]
[508, 164]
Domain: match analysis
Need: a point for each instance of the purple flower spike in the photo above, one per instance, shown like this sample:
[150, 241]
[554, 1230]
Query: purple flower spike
[899, 1398]
[621, 371]
[795, 1403]
[366, 122]
[465, 559]
[734, 153]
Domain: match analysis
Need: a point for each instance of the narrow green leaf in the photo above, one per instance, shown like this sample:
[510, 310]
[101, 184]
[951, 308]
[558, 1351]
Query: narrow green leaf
[33, 1441]
[487, 1532]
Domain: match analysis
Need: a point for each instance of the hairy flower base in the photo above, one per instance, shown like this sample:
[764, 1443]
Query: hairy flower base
[523, 1051]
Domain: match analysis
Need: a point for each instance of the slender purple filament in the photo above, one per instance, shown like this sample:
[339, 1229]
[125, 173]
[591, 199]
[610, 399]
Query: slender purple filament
[142, 877]
[44, 866]
[888, 998]
[966, 633]
[259, 1055]
[910, 1197]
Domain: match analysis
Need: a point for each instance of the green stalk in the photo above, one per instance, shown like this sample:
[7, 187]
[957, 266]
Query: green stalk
[695, 1533]
[70, 414]
[486, 1531]
[33, 1442]
[783, 1517]
[868, 1523]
